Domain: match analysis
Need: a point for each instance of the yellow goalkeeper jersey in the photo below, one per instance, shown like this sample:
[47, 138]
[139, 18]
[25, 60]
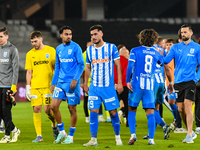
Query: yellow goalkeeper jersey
[42, 63]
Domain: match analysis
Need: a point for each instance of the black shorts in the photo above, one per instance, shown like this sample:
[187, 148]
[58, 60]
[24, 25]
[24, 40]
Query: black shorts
[185, 90]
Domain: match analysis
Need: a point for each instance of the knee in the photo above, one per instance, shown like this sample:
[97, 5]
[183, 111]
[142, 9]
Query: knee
[72, 109]
[53, 108]
[180, 110]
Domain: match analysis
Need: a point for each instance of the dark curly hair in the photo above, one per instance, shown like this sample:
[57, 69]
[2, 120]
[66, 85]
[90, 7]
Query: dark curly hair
[148, 37]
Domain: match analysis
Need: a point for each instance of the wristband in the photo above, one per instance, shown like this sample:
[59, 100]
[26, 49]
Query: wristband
[171, 82]
[28, 87]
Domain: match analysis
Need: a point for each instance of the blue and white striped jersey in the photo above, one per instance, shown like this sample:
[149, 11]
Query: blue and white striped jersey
[142, 62]
[159, 71]
[102, 64]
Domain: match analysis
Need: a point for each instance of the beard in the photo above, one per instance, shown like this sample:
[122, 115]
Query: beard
[185, 39]
[97, 42]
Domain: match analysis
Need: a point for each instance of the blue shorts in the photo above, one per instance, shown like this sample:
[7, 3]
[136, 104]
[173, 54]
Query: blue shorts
[147, 97]
[63, 91]
[159, 93]
[107, 95]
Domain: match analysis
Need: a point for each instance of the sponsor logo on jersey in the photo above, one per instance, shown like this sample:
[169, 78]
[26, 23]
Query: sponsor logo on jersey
[4, 60]
[47, 55]
[66, 60]
[5, 54]
[192, 50]
[94, 61]
[40, 62]
[69, 51]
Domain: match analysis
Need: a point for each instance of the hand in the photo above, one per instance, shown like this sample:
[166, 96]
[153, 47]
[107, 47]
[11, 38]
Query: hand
[170, 88]
[28, 92]
[129, 86]
[160, 50]
[86, 88]
[120, 88]
[73, 84]
[116, 86]
[52, 88]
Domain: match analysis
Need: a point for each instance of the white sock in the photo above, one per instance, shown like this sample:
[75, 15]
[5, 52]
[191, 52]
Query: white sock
[14, 130]
[7, 136]
[63, 131]
[120, 112]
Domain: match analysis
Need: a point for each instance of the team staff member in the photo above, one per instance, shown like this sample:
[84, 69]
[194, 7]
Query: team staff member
[40, 63]
[186, 55]
[9, 68]
[68, 70]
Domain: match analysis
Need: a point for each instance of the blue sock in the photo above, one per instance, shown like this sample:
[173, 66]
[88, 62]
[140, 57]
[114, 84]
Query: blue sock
[158, 119]
[115, 123]
[72, 130]
[174, 109]
[132, 121]
[151, 125]
[94, 124]
[61, 126]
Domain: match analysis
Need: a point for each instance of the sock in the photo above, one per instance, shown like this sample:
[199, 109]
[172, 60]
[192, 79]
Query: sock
[151, 125]
[108, 114]
[37, 123]
[71, 131]
[132, 121]
[1, 124]
[94, 124]
[14, 130]
[120, 112]
[158, 119]
[115, 123]
[52, 119]
[174, 109]
[7, 136]
[61, 127]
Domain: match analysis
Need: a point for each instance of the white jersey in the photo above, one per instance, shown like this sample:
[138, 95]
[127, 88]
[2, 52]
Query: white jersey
[102, 64]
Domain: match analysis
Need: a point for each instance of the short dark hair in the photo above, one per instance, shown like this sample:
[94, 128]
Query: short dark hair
[98, 27]
[148, 37]
[159, 40]
[170, 41]
[4, 30]
[179, 34]
[187, 25]
[65, 28]
[120, 46]
[35, 34]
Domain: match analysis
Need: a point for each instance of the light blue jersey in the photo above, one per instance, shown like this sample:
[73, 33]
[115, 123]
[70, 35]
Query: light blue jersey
[186, 58]
[69, 63]
[102, 64]
[142, 62]
[159, 71]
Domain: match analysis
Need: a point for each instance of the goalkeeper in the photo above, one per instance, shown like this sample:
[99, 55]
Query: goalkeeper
[9, 68]
[40, 63]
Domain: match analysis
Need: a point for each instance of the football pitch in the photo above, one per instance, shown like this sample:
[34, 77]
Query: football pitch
[22, 118]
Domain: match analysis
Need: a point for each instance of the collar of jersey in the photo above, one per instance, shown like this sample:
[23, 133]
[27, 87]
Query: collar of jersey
[100, 47]
[188, 43]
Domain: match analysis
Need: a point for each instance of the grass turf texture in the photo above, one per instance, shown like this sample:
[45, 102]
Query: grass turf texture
[22, 118]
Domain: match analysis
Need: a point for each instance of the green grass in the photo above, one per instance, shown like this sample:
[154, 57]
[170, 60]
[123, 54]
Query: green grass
[22, 118]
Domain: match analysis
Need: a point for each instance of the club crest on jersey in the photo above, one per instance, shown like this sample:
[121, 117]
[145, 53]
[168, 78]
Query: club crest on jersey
[69, 51]
[192, 50]
[47, 55]
[5, 54]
